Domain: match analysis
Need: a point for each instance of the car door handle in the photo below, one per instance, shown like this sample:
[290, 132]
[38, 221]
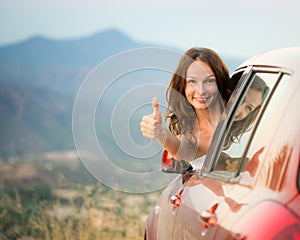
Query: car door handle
[177, 200]
[209, 217]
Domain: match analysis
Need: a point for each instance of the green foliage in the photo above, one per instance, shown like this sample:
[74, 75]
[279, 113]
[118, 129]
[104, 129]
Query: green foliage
[54, 197]
[90, 212]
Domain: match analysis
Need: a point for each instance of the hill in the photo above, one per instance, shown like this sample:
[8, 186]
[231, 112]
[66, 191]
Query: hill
[59, 65]
[38, 82]
[33, 119]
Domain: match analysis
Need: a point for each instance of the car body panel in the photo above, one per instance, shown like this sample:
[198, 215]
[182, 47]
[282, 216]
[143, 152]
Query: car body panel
[162, 218]
[267, 220]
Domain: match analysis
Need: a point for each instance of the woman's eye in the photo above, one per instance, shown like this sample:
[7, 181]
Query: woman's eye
[210, 81]
[191, 81]
[249, 108]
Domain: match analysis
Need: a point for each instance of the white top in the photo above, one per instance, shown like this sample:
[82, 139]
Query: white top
[198, 163]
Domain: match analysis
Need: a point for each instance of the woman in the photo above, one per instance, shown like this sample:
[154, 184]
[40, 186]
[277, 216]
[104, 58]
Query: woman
[197, 92]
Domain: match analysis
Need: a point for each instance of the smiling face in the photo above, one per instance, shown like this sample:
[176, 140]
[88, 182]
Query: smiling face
[201, 86]
[252, 100]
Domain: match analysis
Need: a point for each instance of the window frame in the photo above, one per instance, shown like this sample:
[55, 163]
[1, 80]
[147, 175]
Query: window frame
[223, 127]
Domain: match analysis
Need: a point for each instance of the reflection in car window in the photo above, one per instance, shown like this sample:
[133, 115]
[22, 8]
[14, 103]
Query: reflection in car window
[276, 157]
[243, 120]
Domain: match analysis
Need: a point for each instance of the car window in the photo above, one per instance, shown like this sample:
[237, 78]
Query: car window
[278, 132]
[242, 121]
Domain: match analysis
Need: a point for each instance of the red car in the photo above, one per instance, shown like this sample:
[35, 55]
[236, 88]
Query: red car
[248, 186]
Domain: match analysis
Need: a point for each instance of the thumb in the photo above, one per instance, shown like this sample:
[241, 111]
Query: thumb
[156, 112]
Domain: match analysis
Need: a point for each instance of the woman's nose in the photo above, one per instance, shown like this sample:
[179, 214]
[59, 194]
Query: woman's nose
[199, 88]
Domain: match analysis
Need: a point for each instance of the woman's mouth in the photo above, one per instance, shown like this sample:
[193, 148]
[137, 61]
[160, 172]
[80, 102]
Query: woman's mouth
[201, 100]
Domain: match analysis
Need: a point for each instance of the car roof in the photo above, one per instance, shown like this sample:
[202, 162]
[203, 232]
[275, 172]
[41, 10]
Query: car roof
[284, 58]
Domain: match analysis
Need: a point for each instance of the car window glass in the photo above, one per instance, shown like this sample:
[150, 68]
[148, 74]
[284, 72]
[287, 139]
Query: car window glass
[240, 127]
[280, 138]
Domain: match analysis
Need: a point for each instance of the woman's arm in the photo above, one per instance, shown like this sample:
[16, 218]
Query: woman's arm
[179, 147]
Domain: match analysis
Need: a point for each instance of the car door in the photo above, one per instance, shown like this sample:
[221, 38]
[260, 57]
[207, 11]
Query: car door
[212, 194]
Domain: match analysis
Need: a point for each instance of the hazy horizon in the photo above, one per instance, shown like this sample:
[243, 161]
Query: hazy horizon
[232, 28]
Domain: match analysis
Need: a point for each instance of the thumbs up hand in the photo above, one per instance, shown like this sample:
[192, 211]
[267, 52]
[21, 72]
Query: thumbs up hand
[151, 125]
[156, 113]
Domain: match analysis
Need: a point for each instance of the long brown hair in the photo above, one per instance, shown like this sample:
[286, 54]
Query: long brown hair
[180, 112]
[240, 127]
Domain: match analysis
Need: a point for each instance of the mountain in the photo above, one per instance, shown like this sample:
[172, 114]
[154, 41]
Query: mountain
[39, 79]
[40, 51]
[33, 119]
[38, 82]
[60, 65]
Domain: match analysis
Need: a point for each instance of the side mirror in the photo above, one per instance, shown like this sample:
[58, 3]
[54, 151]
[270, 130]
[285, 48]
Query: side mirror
[171, 165]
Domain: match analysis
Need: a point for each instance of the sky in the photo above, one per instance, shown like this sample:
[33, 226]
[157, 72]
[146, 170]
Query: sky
[234, 28]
